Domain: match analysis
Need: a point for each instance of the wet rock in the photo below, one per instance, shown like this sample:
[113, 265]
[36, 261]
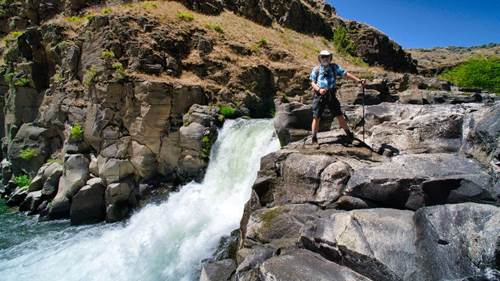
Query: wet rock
[218, 271]
[6, 167]
[186, 152]
[250, 258]
[88, 205]
[17, 197]
[31, 202]
[120, 199]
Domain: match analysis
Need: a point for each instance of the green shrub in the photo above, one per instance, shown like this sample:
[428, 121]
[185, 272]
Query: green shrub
[107, 54]
[58, 78]
[262, 42]
[149, 6]
[22, 82]
[214, 27]
[119, 70]
[12, 36]
[477, 72]
[89, 76]
[52, 160]
[28, 154]
[258, 45]
[22, 180]
[76, 132]
[106, 10]
[75, 19]
[206, 146]
[185, 16]
[227, 111]
[8, 77]
[343, 42]
[88, 16]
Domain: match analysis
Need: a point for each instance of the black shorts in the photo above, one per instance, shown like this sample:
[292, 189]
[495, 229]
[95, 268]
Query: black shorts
[328, 100]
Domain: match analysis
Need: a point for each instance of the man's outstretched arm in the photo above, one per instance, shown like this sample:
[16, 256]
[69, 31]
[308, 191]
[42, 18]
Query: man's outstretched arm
[353, 77]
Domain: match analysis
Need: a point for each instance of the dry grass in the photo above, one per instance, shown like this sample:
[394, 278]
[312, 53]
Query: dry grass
[302, 47]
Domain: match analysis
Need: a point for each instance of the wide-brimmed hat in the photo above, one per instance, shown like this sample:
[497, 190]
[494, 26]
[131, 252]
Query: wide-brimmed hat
[325, 53]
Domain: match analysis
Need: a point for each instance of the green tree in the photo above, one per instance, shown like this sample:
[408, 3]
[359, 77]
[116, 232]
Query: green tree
[477, 72]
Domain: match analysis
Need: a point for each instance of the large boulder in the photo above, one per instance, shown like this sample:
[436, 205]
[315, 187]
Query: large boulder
[481, 136]
[185, 153]
[31, 147]
[88, 205]
[218, 271]
[120, 198]
[75, 175]
[387, 244]
[31, 202]
[48, 172]
[17, 196]
[303, 265]
[415, 180]
[279, 223]
[293, 122]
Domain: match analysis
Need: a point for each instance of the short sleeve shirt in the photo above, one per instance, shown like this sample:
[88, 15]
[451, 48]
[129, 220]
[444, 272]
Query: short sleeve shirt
[326, 77]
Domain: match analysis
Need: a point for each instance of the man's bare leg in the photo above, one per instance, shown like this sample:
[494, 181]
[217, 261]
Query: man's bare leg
[315, 129]
[343, 125]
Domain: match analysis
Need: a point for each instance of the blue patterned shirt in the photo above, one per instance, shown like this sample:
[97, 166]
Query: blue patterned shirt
[327, 75]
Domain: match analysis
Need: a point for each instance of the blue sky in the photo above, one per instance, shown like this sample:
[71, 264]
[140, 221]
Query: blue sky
[428, 23]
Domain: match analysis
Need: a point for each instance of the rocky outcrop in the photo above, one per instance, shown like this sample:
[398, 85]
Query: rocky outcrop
[377, 49]
[417, 202]
[388, 244]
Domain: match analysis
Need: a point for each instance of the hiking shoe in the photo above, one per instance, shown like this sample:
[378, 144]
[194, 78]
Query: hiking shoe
[350, 136]
[315, 142]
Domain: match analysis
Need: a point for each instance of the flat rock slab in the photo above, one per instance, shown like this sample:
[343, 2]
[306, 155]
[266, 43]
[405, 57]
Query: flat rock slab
[415, 180]
[303, 265]
[444, 242]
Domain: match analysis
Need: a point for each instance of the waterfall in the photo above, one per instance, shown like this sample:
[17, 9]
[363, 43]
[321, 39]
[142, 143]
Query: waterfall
[165, 241]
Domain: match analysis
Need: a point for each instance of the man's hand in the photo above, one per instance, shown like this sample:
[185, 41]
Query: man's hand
[322, 91]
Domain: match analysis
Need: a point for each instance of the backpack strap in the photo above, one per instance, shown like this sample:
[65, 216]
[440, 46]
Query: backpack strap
[332, 66]
[316, 74]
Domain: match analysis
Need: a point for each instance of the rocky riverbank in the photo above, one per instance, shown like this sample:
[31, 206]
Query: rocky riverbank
[419, 201]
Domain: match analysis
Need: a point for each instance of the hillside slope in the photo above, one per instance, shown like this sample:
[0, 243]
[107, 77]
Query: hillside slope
[436, 60]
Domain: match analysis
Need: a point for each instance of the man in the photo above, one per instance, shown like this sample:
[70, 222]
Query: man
[323, 81]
